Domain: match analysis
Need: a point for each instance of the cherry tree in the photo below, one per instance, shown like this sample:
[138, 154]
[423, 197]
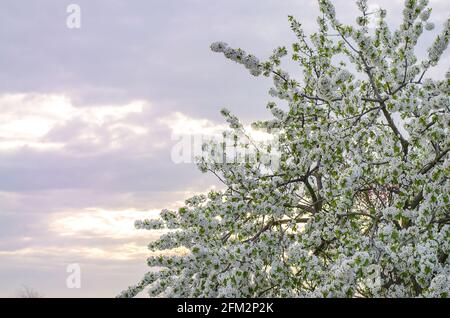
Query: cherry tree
[358, 204]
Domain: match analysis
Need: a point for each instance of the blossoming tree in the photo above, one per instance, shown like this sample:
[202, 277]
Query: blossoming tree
[358, 205]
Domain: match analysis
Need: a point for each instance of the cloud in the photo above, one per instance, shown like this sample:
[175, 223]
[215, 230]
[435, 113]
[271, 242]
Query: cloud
[49, 121]
[100, 223]
[74, 179]
[48, 143]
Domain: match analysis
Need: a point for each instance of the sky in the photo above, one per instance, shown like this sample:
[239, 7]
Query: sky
[89, 118]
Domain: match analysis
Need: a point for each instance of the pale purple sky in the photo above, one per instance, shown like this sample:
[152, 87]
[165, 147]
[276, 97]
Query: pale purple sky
[86, 118]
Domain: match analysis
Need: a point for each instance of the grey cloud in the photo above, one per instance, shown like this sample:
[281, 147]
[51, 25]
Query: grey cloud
[154, 50]
[115, 171]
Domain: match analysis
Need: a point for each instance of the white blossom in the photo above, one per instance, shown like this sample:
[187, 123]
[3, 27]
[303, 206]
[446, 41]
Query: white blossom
[429, 26]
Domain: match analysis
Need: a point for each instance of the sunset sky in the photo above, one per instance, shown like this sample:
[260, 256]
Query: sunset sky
[88, 116]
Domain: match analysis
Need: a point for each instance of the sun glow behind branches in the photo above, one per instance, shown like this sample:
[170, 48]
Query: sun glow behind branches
[100, 223]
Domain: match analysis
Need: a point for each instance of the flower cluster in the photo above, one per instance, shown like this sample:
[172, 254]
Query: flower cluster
[250, 61]
[149, 224]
